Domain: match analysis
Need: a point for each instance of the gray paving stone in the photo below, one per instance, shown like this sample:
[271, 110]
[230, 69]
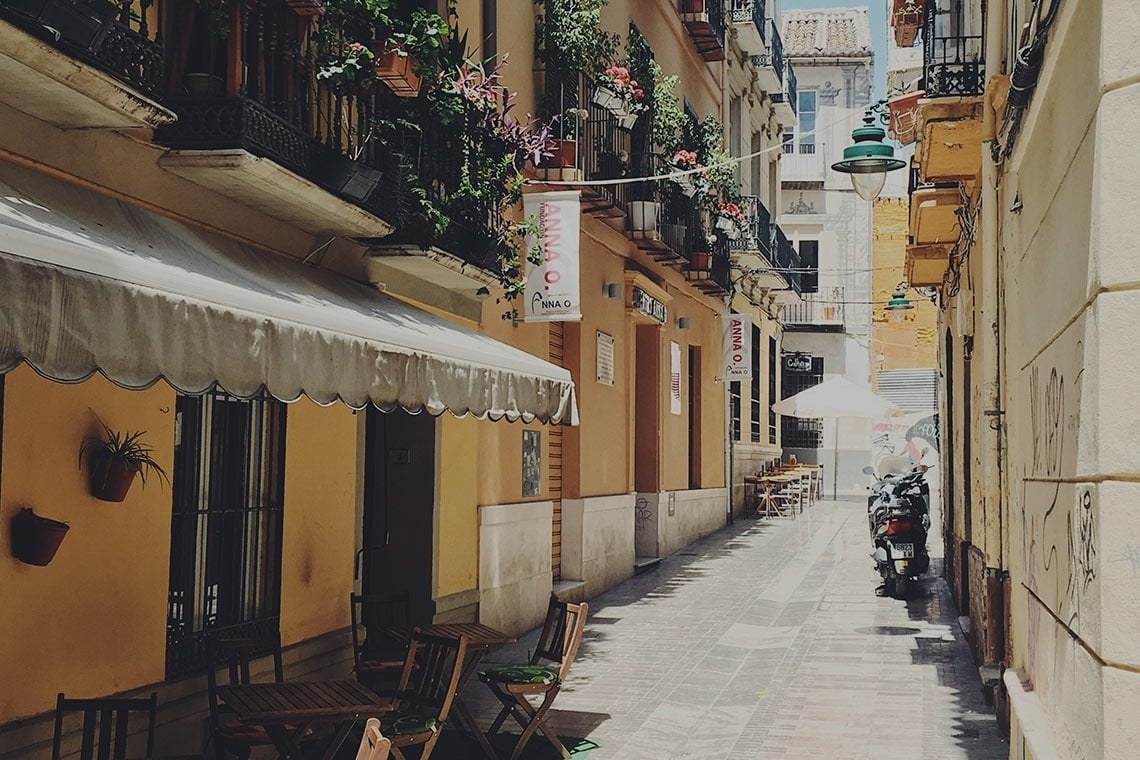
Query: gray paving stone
[766, 640]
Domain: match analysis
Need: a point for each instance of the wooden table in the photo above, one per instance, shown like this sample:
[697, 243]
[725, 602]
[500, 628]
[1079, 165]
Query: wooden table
[288, 709]
[481, 639]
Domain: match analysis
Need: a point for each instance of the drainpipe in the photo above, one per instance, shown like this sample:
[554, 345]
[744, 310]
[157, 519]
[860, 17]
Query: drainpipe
[988, 334]
[988, 342]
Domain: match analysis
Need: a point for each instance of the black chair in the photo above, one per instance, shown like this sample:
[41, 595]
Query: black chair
[378, 656]
[233, 656]
[105, 725]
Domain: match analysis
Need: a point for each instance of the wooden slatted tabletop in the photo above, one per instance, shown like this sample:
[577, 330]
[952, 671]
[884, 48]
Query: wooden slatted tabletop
[479, 636]
[301, 702]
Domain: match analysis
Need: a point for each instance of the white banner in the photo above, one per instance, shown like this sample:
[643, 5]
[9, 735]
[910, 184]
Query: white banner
[674, 377]
[736, 345]
[552, 288]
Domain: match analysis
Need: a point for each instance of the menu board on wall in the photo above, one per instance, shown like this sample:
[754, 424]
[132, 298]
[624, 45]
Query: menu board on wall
[605, 358]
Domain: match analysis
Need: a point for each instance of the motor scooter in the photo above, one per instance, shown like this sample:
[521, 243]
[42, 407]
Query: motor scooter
[898, 515]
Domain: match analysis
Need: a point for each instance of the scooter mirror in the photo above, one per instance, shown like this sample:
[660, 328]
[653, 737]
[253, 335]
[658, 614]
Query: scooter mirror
[868, 471]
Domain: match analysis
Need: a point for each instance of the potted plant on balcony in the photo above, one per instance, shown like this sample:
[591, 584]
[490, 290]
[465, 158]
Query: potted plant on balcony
[564, 143]
[691, 182]
[731, 220]
[619, 93]
[114, 460]
[568, 37]
[35, 539]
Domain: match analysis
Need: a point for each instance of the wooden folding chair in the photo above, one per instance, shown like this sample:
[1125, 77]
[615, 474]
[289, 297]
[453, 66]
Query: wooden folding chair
[378, 659]
[426, 691]
[105, 725]
[512, 684]
[373, 745]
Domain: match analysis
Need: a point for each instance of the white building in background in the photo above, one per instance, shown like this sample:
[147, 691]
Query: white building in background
[829, 333]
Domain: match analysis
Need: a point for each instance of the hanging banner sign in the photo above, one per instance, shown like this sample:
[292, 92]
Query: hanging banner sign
[552, 287]
[736, 346]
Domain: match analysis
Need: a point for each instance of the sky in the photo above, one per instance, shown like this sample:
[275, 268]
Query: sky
[876, 18]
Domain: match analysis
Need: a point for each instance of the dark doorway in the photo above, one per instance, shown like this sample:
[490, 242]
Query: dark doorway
[967, 486]
[647, 409]
[399, 514]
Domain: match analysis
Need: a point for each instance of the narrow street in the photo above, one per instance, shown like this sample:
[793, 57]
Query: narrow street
[766, 640]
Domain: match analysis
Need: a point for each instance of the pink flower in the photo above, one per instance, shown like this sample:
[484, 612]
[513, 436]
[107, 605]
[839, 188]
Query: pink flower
[639, 94]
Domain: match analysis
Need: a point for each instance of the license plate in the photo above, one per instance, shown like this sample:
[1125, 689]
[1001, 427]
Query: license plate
[903, 551]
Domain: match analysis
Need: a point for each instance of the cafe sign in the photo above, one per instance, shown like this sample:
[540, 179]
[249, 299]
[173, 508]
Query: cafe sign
[646, 304]
[797, 362]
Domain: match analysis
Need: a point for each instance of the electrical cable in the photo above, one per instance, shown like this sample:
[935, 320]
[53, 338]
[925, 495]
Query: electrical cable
[731, 161]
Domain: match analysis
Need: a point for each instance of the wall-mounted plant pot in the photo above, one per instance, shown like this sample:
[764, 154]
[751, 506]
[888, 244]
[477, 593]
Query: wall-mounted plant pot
[628, 120]
[306, 7]
[35, 539]
[110, 479]
[643, 215]
[700, 261]
[82, 23]
[606, 98]
[564, 154]
[397, 70]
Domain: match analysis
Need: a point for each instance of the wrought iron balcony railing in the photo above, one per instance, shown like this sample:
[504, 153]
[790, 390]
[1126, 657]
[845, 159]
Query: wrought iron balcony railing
[121, 38]
[720, 273]
[786, 259]
[774, 58]
[822, 310]
[705, 21]
[952, 61]
[759, 235]
[603, 149]
[745, 10]
[790, 88]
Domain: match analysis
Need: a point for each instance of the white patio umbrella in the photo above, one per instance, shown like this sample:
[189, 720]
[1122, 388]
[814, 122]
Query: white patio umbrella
[835, 398]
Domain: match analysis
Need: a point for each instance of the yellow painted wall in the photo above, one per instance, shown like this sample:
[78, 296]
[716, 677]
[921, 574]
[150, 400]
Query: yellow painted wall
[913, 343]
[319, 529]
[93, 622]
[457, 508]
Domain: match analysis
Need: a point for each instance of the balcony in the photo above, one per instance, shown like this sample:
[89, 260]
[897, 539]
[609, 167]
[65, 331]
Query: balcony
[933, 231]
[907, 17]
[747, 18]
[787, 262]
[602, 149]
[254, 125]
[817, 312]
[802, 164]
[704, 20]
[770, 64]
[786, 102]
[950, 118]
[904, 117]
[83, 65]
[758, 240]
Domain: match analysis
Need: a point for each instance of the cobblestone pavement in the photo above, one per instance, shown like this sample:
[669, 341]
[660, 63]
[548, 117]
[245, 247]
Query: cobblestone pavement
[766, 640]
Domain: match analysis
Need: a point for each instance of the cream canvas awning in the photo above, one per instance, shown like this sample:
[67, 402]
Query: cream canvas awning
[90, 284]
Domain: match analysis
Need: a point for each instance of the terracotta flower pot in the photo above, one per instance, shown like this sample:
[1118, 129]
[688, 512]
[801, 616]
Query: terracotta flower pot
[306, 7]
[694, 6]
[700, 261]
[397, 71]
[110, 479]
[36, 539]
[564, 154]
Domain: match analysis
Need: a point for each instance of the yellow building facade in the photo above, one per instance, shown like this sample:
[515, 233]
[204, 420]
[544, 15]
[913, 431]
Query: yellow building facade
[288, 495]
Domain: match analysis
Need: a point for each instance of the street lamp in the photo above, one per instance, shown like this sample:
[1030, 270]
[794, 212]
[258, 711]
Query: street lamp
[899, 303]
[869, 159]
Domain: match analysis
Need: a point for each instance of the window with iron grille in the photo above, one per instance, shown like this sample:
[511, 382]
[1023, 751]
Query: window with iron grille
[734, 396]
[772, 370]
[799, 433]
[225, 531]
[756, 409]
